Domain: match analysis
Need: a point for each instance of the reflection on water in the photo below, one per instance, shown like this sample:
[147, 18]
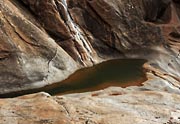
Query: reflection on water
[121, 73]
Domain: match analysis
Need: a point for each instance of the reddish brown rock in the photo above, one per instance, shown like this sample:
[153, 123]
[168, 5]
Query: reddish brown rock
[32, 109]
[43, 41]
[29, 57]
[139, 107]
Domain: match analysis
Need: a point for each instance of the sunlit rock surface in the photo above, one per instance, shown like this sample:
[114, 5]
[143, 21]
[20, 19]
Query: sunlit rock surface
[32, 109]
[110, 106]
[29, 57]
[44, 41]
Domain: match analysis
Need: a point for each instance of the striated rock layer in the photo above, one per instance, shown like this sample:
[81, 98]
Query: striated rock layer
[111, 106]
[44, 41]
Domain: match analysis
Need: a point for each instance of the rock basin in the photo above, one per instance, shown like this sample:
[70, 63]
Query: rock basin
[44, 41]
[120, 72]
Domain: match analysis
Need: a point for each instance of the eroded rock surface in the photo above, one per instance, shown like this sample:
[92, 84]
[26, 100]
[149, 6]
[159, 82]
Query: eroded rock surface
[110, 106]
[29, 57]
[122, 106]
[44, 41]
[32, 109]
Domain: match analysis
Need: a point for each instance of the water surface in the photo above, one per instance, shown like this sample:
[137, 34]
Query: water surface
[122, 73]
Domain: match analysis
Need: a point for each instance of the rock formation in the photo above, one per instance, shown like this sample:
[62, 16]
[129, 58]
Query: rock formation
[44, 41]
[111, 106]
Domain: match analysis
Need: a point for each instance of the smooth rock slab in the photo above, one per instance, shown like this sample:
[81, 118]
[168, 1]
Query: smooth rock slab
[110, 106]
[120, 106]
[32, 109]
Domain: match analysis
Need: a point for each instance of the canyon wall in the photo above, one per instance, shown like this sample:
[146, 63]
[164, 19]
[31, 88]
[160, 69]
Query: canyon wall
[44, 41]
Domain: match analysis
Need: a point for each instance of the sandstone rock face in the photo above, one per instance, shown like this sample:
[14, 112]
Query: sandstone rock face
[122, 106]
[44, 41]
[29, 58]
[110, 106]
[29, 110]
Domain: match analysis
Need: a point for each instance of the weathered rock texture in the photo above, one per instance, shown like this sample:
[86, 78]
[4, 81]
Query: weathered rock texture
[122, 106]
[29, 110]
[44, 41]
[29, 57]
[111, 106]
